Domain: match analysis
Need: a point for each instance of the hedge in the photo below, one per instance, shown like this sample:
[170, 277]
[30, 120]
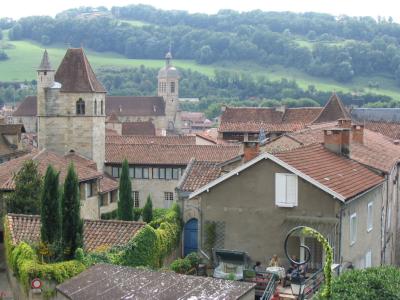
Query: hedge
[112, 215]
[184, 265]
[25, 263]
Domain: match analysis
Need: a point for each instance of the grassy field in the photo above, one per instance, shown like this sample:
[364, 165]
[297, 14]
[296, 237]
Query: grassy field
[25, 56]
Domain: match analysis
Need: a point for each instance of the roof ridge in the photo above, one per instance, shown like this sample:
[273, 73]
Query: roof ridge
[114, 221]
[85, 62]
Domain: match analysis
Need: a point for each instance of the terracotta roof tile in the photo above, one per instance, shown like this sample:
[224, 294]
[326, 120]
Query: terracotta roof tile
[135, 106]
[377, 151]
[138, 128]
[108, 184]
[344, 176]
[332, 111]
[156, 154]
[390, 129]
[198, 174]
[44, 158]
[76, 75]
[252, 119]
[27, 107]
[149, 139]
[96, 233]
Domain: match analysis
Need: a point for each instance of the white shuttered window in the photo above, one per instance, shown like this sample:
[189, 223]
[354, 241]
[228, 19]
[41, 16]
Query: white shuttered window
[286, 191]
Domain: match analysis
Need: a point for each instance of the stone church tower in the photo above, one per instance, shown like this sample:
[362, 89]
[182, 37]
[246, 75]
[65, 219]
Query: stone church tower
[168, 88]
[71, 107]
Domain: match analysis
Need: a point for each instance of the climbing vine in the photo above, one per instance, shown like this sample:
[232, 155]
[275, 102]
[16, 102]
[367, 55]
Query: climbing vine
[327, 289]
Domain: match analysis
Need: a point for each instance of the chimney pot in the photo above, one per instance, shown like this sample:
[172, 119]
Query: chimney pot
[344, 123]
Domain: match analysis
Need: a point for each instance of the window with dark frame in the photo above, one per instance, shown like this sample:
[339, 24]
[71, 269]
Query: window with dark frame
[115, 172]
[80, 107]
[168, 199]
[95, 107]
[168, 173]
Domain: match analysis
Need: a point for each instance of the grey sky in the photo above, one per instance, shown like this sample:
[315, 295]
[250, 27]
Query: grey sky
[21, 8]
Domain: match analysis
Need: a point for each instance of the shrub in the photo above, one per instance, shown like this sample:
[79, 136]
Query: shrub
[368, 284]
[112, 215]
[194, 259]
[125, 203]
[181, 266]
[137, 213]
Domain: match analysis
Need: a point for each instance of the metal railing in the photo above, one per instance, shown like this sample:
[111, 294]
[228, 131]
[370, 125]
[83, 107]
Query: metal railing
[266, 282]
[313, 284]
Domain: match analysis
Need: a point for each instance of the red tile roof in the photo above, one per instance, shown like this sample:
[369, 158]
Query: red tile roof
[390, 129]
[148, 139]
[198, 174]
[44, 158]
[96, 233]
[108, 184]
[344, 176]
[377, 151]
[76, 75]
[12, 129]
[162, 154]
[251, 119]
[333, 110]
[138, 128]
[135, 106]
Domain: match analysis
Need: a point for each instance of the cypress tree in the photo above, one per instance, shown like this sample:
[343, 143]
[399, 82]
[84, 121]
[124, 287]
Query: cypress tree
[26, 197]
[125, 203]
[72, 224]
[147, 214]
[50, 212]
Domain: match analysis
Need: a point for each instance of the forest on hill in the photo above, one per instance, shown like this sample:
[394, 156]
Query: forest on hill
[319, 44]
[344, 48]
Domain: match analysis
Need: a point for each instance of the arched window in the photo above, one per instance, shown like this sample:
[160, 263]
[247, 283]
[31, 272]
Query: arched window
[101, 107]
[80, 107]
[95, 107]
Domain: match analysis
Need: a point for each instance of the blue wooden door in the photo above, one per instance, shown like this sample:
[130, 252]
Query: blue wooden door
[190, 237]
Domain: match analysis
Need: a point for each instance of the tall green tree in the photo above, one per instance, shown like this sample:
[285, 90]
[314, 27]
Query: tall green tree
[50, 212]
[147, 214]
[125, 203]
[26, 197]
[72, 224]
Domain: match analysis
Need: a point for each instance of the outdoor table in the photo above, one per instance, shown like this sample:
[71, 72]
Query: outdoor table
[278, 271]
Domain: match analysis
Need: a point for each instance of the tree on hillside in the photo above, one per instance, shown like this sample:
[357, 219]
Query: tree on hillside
[125, 203]
[72, 224]
[147, 214]
[50, 213]
[26, 197]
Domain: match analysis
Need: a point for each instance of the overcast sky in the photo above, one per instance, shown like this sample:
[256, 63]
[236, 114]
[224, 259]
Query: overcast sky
[374, 8]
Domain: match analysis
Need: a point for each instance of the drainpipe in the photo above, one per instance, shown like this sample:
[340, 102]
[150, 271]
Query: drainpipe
[385, 221]
[340, 235]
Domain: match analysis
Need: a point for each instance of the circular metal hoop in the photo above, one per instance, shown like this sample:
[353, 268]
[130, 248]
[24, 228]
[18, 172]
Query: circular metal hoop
[307, 249]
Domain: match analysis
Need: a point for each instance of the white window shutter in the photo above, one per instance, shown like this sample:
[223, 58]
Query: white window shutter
[291, 189]
[280, 189]
[368, 259]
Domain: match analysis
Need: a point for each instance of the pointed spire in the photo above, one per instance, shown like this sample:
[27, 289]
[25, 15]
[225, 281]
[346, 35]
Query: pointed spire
[45, 64]
[168, 58]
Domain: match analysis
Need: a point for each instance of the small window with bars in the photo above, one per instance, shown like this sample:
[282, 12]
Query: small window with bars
[135, 197]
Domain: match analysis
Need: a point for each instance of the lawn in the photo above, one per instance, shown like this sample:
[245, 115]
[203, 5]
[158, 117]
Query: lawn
[25, 56]
[135, 23]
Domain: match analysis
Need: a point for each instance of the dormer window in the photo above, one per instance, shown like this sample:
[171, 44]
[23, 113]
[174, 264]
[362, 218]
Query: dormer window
[80, 107]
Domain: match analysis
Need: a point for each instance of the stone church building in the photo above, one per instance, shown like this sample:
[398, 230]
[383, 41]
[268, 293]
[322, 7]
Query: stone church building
[162, 110]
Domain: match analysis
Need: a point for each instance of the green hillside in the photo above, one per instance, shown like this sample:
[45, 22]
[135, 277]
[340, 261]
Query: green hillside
[25, 55]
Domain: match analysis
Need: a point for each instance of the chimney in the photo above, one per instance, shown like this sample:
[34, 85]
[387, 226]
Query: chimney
[337, 140]
[357, 132]
[223, 107]
[344, 123]
[281, 109]
[251, 149]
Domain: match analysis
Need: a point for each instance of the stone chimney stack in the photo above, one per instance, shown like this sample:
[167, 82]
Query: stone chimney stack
[337, 140]
[251, 149]
[344, 123]
[357, 132]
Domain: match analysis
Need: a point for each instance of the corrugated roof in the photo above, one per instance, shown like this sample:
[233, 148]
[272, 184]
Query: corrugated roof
[104, 281]
[96, 233]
